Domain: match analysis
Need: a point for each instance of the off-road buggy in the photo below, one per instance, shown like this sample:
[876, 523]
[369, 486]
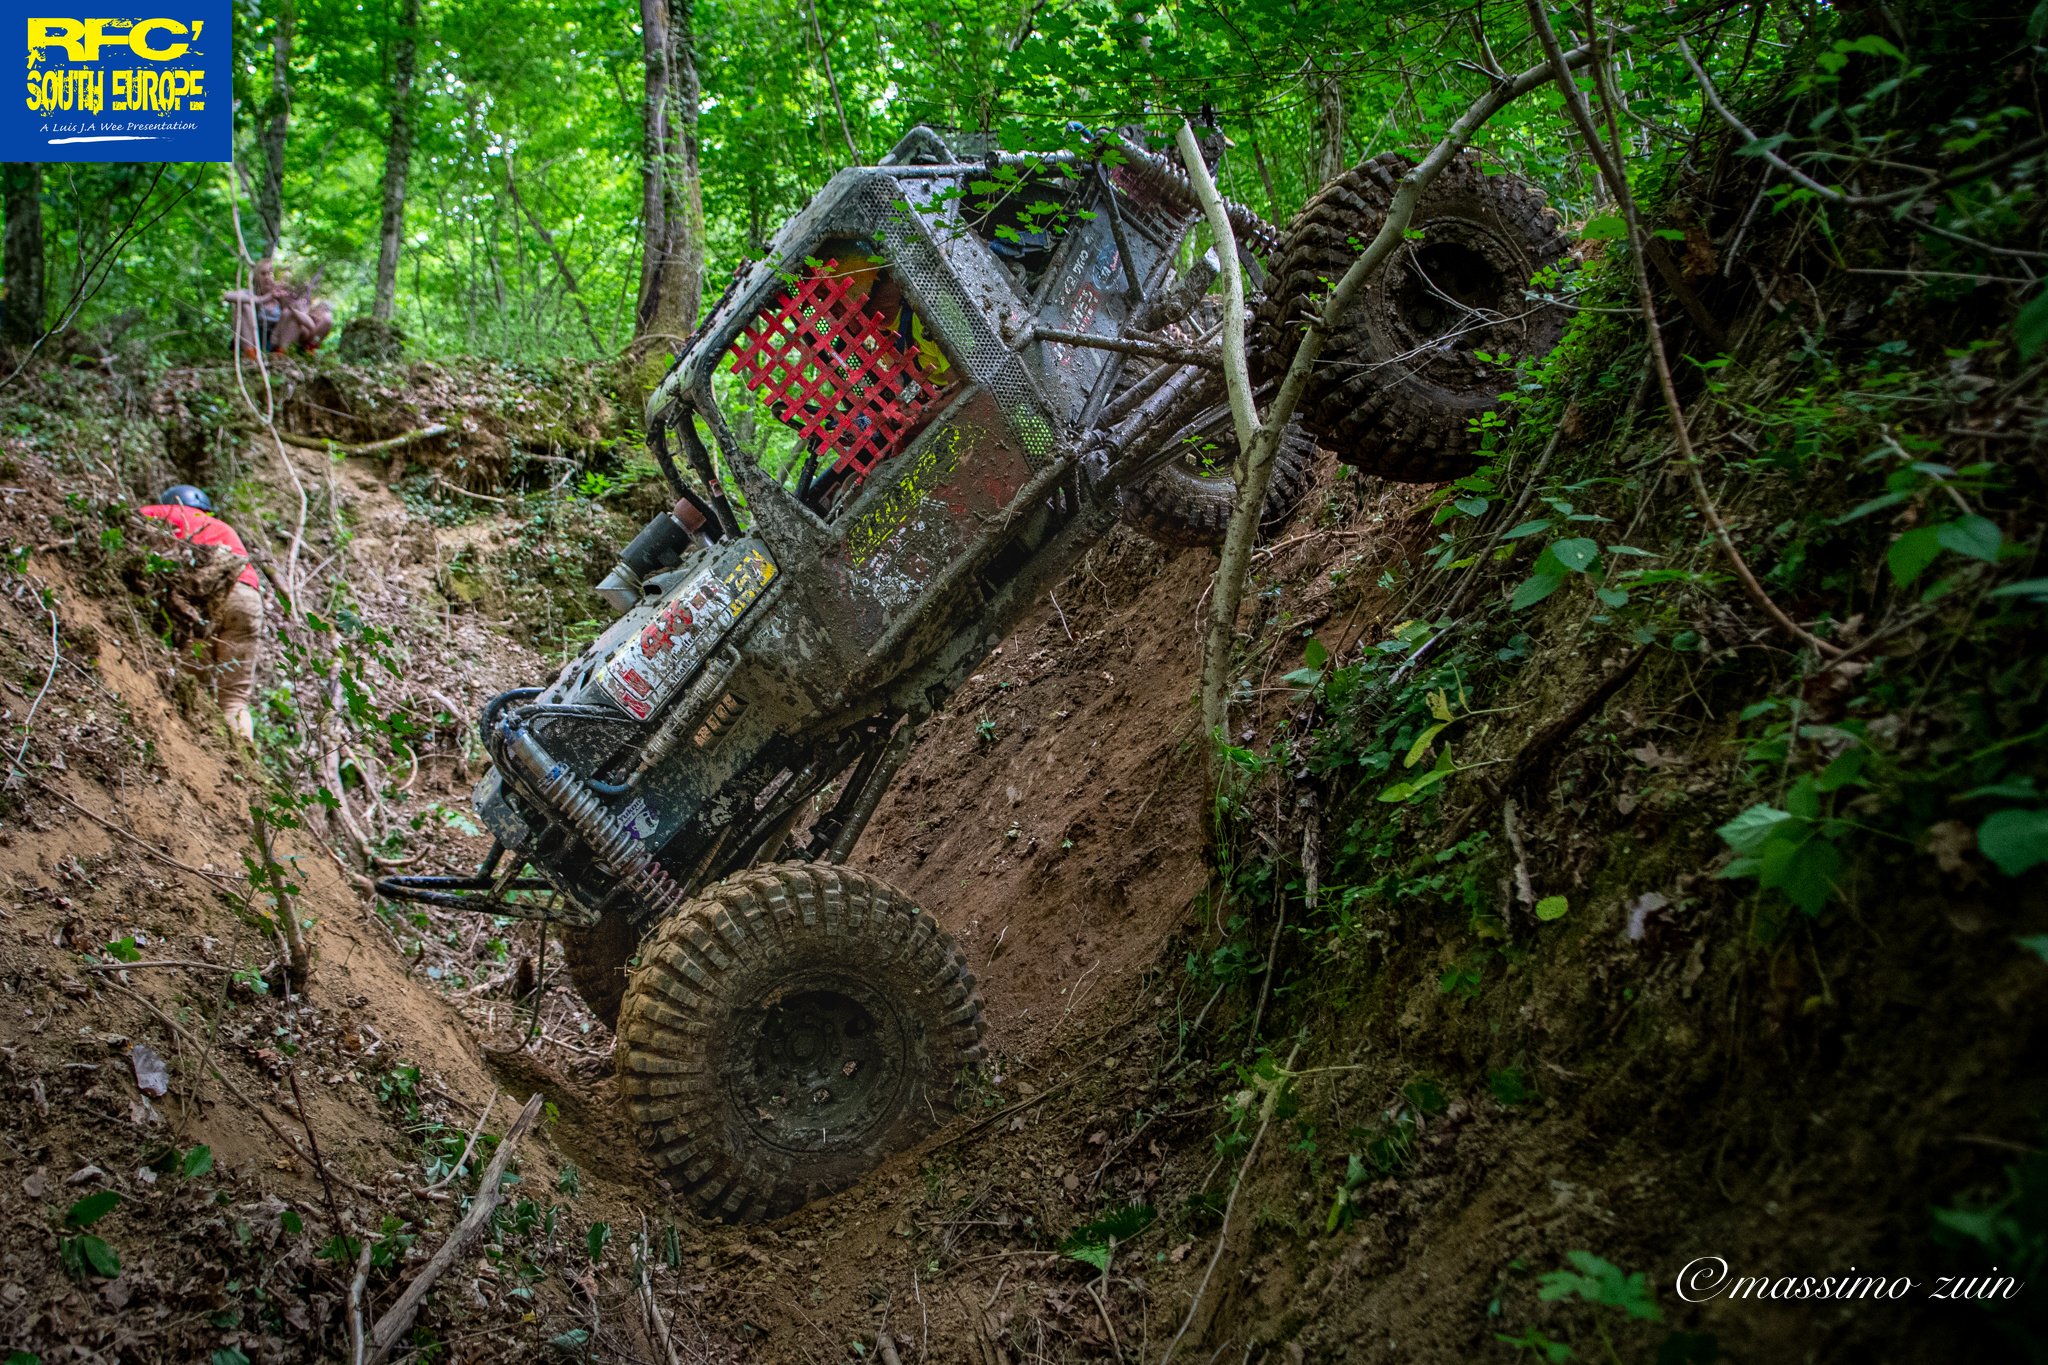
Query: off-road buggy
[946, 382]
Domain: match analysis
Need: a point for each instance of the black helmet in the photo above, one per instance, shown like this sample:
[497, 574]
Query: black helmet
[186, 495]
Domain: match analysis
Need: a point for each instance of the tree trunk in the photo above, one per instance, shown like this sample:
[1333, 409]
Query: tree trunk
[653, 149]
[21, 257]
[1331, 161]
[397, 162]
[277, 117]
[672, 190]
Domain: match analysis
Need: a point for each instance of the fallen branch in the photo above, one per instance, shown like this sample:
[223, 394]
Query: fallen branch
[1756, 146]
[298, 957]
[291, 1144]
[1272, 1101]
[1617, 185]
[1145, 348]
[398, 442]
[1537, 749]
[355, 1304]
[151, 849]
[398, 1319]
[56, 656]
[468, 1146]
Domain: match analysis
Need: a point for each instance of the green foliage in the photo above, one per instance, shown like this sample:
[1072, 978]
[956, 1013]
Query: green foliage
[2016, 841]
[1095, 1242]
[1601, 1283]
[91, 1209]
[196, 1161]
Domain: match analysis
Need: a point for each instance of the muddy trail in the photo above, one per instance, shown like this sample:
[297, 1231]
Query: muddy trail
[249, 1133]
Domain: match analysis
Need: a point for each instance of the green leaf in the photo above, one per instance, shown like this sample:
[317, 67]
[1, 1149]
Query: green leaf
[1314, 654]
[1746, 832]
[91, 1209]
[599, 1234]
[2037, 944]
[1802, 868]
[1911, 553]
[1123, 1224]
[1877, 504]
[124, 949]
[1803, 800]
[2035, 589]
[1974, 537]
[2030, 328]
[1530, 528]
[198, 1161]
[1088, 1253]
[1608, 227]
[1845, 770]
[1302, 677]
[1575, 554]
[87, 1252]
[1422, 743]
[1612, 597]
[1509, 1086]
[2015, 840]
[1552, 908]
[1472, 507]
[1534, 589]
[290, 1221]
[228, 1355]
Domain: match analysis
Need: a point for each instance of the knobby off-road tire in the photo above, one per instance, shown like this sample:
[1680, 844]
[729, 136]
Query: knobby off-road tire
[787, 1030]
[597, 958]
[1400, 381]
[1189, 501]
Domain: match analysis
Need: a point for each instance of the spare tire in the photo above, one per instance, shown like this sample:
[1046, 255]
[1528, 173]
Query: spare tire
[788, 1029]
[1189, 501]
[1401, 382]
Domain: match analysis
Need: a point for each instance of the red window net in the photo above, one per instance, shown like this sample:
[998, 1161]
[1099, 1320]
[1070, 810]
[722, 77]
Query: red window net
[827, 363]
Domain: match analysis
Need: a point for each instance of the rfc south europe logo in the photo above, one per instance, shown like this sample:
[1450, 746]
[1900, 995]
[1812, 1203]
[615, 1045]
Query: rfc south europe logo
[156, 86]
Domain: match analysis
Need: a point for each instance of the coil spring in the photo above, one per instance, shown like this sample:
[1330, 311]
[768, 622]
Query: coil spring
[564, 792]
[1157, 173]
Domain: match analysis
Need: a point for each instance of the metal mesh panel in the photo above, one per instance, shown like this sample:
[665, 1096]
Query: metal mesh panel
[946, 303]
[828, 365]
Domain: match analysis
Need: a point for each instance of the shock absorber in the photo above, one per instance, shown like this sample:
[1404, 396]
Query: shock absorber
[555, 785]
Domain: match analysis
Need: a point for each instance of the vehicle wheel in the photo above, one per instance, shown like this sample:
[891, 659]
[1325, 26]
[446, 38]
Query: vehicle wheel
[597, 959]
[787, 1030]
[1401, 380]
[1189, 501]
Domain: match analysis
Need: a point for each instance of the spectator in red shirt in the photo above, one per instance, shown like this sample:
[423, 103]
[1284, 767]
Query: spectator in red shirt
[236, 635]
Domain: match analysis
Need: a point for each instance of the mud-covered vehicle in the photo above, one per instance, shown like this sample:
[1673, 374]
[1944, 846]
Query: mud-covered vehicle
[890, 438]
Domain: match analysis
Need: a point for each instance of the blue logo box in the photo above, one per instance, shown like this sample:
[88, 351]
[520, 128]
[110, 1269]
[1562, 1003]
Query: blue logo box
[155, 86]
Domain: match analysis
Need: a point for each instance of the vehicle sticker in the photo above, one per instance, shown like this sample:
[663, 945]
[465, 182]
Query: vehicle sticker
[639, 821]
[931, 467]
[644, 671]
